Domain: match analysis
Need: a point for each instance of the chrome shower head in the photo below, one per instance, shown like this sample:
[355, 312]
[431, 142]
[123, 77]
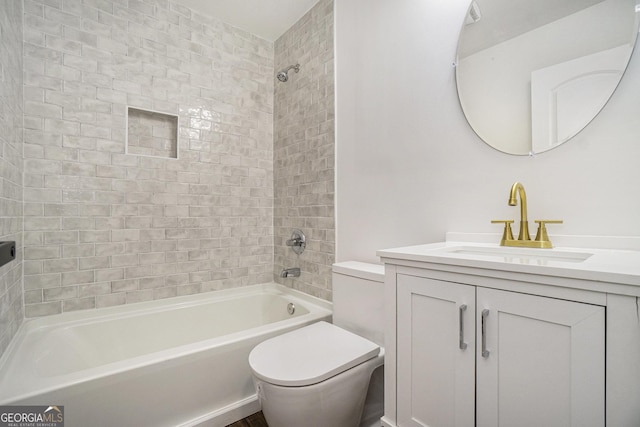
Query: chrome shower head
[283, 75]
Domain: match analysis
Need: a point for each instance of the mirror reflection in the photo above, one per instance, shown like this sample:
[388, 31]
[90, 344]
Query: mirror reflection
[532, 74]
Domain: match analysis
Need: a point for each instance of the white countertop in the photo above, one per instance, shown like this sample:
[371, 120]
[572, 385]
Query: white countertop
[600, 265]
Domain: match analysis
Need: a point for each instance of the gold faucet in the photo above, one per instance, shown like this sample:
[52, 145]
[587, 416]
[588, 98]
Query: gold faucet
[524, 239]
[518, 189]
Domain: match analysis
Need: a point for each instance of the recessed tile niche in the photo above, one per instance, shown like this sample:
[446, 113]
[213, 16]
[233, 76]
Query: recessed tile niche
[151, 133]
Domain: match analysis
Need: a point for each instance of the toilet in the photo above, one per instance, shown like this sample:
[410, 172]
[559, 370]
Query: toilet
[319, 375]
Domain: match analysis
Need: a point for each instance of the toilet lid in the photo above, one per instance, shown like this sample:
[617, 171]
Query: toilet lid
[309, 355]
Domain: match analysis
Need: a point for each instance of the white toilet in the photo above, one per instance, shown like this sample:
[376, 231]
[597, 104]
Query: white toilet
[319, 375]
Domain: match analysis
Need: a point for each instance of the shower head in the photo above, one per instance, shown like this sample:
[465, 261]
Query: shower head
[283, 75]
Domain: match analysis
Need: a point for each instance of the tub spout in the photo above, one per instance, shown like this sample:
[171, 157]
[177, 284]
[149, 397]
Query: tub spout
[290, 272]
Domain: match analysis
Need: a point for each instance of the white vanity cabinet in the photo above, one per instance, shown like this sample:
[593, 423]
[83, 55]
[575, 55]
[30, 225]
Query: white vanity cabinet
[543, 363]
[436, 352]
[526, 360]
[476, 343]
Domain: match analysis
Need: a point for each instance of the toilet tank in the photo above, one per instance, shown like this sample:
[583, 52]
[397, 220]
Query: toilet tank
[358, 299]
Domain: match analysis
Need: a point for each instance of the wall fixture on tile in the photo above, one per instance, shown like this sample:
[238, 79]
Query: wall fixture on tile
[152, 133]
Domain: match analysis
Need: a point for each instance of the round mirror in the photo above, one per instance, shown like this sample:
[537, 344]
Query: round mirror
[531, 74]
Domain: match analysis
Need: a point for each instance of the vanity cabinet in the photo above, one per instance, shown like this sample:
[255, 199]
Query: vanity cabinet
[486, 337]
[436, 353]
[470, 355]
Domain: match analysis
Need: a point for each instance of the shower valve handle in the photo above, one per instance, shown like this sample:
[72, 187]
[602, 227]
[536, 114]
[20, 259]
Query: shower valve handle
[295, 242]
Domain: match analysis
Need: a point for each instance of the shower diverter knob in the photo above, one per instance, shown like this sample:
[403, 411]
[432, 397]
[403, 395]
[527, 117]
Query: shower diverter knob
[297, 241]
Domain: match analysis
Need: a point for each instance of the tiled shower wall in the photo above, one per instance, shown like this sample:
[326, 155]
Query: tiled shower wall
[104, 228]
[11, 309]
[304, 150]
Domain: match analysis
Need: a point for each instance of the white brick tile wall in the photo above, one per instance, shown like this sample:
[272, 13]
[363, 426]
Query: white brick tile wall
[11, 165]
[304, 151]
[105, 227]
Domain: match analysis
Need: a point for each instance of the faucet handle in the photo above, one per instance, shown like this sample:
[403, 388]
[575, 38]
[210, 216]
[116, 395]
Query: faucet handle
[507, 234]
[541, 235]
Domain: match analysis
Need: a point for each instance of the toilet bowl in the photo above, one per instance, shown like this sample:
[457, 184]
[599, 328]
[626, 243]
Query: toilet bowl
[319, 375]
[314, 376]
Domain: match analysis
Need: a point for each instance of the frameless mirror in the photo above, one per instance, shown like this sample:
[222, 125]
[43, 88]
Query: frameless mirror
[531, 74]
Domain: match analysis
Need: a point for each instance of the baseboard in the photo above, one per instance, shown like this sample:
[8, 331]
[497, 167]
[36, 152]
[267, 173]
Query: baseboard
[386, 423]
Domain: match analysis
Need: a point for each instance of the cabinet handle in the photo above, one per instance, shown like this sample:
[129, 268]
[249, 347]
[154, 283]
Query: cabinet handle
[485, 314]
[461, 310]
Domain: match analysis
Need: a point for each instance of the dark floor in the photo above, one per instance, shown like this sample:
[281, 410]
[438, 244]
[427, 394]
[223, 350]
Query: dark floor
[255, 420]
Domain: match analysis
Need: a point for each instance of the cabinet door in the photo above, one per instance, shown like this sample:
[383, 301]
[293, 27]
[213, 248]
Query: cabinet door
[544, 363]
[435, 366]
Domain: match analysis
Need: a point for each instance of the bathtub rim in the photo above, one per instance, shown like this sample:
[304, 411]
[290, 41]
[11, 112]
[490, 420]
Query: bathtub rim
[319, 308]
[158, 304]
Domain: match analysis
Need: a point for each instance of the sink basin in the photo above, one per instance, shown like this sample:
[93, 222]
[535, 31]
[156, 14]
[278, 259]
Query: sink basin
[523, 255]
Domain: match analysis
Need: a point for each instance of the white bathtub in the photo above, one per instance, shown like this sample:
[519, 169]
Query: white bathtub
[175, 362]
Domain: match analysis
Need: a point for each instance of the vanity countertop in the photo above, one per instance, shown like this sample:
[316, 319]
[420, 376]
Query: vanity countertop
[611, 266]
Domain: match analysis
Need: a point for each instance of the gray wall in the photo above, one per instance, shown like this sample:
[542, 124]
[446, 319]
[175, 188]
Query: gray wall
[105, 228]
[304, 150]
[11, 308]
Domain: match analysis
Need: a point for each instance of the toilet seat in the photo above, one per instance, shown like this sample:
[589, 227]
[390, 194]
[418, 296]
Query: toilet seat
[309, 355]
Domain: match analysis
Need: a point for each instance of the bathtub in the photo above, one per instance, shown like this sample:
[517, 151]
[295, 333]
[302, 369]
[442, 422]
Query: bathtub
[175, 362]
